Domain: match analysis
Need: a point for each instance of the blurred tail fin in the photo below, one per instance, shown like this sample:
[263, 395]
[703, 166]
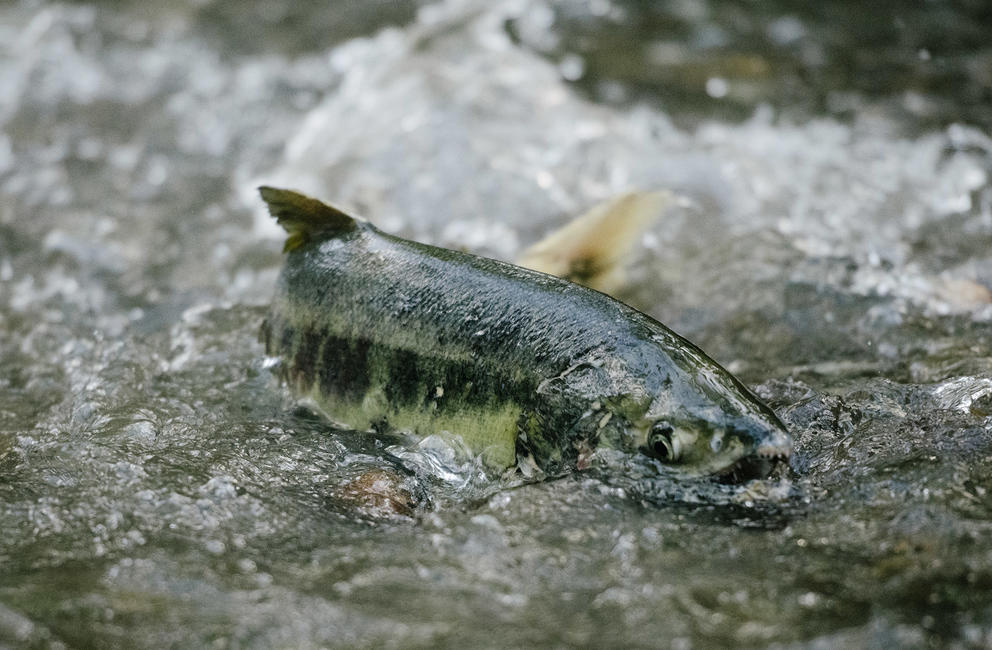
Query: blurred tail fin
[592, 249]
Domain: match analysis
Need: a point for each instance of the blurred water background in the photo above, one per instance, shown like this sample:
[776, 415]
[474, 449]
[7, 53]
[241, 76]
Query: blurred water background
[158, 488]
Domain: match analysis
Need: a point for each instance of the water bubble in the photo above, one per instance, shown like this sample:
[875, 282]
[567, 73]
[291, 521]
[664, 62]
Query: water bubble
[572, 67]
[717, 88]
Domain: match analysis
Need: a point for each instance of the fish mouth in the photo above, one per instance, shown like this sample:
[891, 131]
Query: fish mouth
[758, 465]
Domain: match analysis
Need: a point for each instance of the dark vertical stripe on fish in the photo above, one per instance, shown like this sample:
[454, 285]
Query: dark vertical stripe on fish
[305, 359]
[344, 367]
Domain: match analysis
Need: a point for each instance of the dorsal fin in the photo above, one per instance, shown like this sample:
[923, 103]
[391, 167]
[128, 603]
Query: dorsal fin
[304, 217]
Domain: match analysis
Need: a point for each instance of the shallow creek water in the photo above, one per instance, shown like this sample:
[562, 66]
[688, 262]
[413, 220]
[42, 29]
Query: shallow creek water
[834, 249]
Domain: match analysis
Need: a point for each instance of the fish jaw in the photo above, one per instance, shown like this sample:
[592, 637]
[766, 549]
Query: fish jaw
[775, 447]
[770, 454]
[731, 451]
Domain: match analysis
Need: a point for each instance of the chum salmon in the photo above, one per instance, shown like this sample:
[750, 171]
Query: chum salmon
[530, 370]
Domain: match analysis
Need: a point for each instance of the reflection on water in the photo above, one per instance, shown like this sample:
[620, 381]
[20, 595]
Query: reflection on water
[157, 487]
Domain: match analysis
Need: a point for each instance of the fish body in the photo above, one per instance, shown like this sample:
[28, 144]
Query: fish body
[527, 368]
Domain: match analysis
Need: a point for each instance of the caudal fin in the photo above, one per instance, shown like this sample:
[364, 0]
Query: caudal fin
[592, 249]
[303, 217]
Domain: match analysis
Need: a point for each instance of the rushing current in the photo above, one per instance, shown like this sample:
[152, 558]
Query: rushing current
[832, 248]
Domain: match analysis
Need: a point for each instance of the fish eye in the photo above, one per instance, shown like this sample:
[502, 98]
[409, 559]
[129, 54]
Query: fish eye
[662, 444]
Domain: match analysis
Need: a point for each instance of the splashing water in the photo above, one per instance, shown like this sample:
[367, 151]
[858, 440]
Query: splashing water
[834, 250]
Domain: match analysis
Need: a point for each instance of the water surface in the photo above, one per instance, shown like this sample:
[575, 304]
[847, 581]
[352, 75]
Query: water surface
[157, 487]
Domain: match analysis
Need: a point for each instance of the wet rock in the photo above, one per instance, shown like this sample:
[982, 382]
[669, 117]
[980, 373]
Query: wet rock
[378, 493]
